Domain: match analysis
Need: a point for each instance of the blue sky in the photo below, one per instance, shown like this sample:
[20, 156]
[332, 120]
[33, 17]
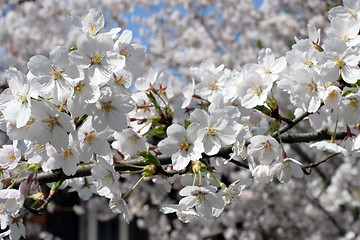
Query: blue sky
[143, 13]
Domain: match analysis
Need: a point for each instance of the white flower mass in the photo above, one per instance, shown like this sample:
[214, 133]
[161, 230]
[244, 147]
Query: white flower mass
[237, 130]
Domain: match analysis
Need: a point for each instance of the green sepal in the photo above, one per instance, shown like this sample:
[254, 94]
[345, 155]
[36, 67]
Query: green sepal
[186, 123]
[346, 92]
[259, 44]
[149, 158]
[274, 126]
[158, 131]
[271, 102]
[263, 109]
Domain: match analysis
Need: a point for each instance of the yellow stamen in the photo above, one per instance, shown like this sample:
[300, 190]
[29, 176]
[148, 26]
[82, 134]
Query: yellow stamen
[211, 131]
[97, 56]
[126, 52]
[107, 107]
[90, 137]
[184, 144]
[78, 87]
[340, 62]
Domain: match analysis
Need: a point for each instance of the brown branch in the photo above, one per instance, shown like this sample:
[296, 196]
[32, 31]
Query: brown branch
[289, 125]
[313, 165]
[85, 170]
[305, 157]
[309, 137]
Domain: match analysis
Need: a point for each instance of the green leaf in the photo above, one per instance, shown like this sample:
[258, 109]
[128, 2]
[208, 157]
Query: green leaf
[259, 44]
[274, 126]
[149, 158]
[186, 123]
[271, 102]
[263, 109]
[347, 92]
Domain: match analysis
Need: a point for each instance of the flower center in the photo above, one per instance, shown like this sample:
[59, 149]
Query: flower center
[213, 85]
[340, 62]
[352, 14]
[332, 94]
[134, 138]
[312, 87]
[11, 155]
[126, 52]
[211, 131]
[353, 104]
[19, 97]
[107, 107]
[256, 90]
[267, 146]
[308, 62]
[78, 87]
[51, 122]
[65, 154]
[122, 80]
[90, 137]
[94, 28]
[345, 36]
[56, 73]
[97, 56]
[266, 69]
[184, 145]
[40, 148]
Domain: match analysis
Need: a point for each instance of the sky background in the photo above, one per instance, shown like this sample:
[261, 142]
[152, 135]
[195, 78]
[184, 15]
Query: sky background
[144, 13]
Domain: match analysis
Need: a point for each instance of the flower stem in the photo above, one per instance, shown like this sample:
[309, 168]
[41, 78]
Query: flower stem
[212, 175]
[136, 184]
[194, 179]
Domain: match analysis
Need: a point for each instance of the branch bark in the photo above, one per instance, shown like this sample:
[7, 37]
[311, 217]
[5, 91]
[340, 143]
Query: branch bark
[85, 170]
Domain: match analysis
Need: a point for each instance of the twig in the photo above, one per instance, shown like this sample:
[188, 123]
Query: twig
[313, 165]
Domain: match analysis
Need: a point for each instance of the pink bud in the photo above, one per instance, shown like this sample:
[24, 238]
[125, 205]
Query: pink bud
[34, 185]
[24, 187]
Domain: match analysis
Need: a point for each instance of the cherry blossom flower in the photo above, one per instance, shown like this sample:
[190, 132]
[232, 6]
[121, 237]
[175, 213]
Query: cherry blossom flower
[90, 141]
[346, 30]
[305, 89]
[85, 187]
[15, 101]
[264, 148]
[134, 53]
[118, 205]
[234, 190]
[350, 10]
[66, 159]
[129, 143]
[182, 145]
[285, 168]
[204, 199]
[217, 130]
[9, 156]
[55, 76]
[253, 90]
[110, 110]
[93, 23]
[50, 125]
[339, 60]
[329, 146]
[184, 215]
[267, 65]
[106, 178]
[97, 56]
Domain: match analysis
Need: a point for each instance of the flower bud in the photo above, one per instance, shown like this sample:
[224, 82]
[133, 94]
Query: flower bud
[199, 166]
[149, 170]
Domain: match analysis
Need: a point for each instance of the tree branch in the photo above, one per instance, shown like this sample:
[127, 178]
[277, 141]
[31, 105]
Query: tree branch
[85, 170]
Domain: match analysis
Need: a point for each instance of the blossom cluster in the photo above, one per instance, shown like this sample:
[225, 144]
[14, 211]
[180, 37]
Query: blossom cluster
[91, 106]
